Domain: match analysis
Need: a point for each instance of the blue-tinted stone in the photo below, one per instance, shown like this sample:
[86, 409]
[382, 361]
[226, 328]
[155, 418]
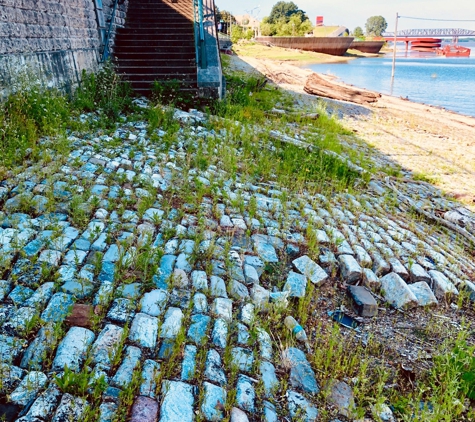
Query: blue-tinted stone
[217, 287]
[182, 262]
[296, 284]
[103, 294]
[100, 244]
[107, 272]
[242, 334]
[301, 374]
[19, 319]
[166, 349]
[220, 333]
[114, 192]
[245, 393]
[20, 294]
[124, 374]
[104, 348]
[177, 402]
[144, 330]
[41, 296]
[82, 244]
[265, 344]
[266, 252]
[172, 323]
[74, 257]
[189, 363]
[198, 328]
[270, 412]
[79, 288]
[213, 368]
[238, 290]
[58, 307]
[32, 248]
[10, 348]
[99, 190]
[242, 358]
[121, 310]
[199, 280]
[112, 254]
[300, 408]
[154, 302]
[213, 402]
[72, 349]
[89, 167]
[165, 271]
[149, 373]
[269, 378]
[200, 304]
[130, 291]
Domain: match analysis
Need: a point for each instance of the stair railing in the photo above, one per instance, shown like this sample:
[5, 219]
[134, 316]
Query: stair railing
[200, 41]
[105, 52]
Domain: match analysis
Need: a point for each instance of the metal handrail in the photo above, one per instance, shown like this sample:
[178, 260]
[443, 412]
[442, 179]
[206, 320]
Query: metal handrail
[105, 51]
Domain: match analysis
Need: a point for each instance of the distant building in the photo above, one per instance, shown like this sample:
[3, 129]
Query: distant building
[248, 22]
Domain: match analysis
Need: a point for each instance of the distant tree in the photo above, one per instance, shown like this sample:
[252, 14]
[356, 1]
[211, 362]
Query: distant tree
[237, 33]
[358, 32]
[286, 19]
[267, 29]
[225, 16]
[375, 26]
[285, 10]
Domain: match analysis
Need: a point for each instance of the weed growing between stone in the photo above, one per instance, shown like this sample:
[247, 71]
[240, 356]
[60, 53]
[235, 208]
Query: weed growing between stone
[179, 232]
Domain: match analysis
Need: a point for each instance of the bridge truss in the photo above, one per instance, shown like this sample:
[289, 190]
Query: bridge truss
[439, 32]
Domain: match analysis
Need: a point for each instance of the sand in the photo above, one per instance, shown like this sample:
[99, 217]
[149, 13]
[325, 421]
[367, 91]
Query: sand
[435, 144]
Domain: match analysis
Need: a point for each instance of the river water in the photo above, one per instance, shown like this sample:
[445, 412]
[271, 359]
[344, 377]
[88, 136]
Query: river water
[425, 78]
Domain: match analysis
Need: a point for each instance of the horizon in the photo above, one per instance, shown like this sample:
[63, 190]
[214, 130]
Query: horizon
[337, 12]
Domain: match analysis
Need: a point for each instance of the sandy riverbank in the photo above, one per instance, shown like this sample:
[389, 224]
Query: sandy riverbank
[436, 144]
[292, 55]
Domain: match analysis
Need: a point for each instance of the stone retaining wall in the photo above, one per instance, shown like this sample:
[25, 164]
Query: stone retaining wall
[51, 39]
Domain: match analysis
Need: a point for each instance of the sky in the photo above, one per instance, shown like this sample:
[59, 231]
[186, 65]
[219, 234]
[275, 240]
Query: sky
[354, 13]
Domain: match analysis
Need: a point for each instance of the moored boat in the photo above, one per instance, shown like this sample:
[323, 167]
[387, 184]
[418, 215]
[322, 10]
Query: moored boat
[336, 46]
[454, 51]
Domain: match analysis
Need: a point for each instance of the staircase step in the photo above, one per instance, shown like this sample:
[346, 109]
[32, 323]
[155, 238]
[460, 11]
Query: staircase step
[157, 43]
[156, 24]
[172, 70]
[155, 46]
[149, 57]
[154, 32]
[154, 63]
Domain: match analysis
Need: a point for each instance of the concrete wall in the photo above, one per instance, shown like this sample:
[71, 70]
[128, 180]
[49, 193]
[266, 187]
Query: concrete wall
[51, 39]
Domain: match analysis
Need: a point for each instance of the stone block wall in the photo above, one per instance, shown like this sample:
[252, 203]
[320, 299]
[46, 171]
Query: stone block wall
[51, 39]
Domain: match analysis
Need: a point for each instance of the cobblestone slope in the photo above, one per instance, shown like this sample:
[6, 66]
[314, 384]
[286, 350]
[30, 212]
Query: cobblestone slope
[189, 340]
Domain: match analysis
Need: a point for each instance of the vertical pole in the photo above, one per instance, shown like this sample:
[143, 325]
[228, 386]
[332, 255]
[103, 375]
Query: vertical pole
[394, 49]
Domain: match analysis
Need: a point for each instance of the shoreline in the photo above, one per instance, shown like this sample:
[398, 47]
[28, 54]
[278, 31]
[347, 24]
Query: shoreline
[435, 144]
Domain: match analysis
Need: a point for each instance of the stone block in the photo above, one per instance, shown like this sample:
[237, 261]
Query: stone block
[144, 409]
[423, 293]
[72, 349]
[365, 303]
[213, 402]
[442, 286]
[310, 269]
[177, 402]
[350, 269]
[144, 330]
[396, 292]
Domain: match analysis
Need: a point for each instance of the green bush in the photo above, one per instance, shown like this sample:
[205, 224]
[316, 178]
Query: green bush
[104, 90]
[25, 116]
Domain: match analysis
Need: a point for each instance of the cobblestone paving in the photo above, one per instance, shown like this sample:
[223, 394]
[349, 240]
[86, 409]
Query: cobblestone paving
[76, 297]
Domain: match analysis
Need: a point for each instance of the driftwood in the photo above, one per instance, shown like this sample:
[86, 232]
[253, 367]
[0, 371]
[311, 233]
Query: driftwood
[432, 217]
[317, 85]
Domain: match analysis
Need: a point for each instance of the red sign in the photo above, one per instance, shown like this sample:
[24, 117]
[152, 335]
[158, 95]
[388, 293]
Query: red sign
[319, 21]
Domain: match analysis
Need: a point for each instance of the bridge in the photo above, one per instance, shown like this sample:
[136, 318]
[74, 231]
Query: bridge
[454, 33]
